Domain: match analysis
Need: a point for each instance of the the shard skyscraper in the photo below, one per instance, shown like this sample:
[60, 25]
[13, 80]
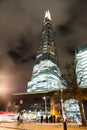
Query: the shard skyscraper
[46, 75]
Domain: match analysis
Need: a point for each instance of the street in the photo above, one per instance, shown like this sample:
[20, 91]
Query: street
[39, 126]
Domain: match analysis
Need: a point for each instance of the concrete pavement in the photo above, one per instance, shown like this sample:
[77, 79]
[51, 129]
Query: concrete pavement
[39, 126]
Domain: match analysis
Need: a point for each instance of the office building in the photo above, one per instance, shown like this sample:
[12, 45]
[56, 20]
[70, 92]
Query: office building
[46, 74]
[81, 65]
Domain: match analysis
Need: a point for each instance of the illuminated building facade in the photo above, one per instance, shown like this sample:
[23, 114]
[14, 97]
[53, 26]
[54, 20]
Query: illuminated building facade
[46, 75]
[81, 65]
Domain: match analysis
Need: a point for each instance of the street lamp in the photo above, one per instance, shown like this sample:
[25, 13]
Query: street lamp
[45, 99]
[62, 102]
[63, 115]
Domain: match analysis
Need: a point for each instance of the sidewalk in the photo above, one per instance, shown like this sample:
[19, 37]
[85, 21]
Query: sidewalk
[43, 126]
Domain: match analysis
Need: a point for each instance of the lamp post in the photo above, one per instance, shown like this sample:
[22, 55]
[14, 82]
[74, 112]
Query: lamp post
[62, 103]
[45, 99]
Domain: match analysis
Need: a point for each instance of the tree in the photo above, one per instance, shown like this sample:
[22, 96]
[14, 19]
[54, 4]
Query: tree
[73, 87]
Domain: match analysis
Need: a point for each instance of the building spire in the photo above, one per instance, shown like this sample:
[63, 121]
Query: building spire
[47, 15]
[46, 75]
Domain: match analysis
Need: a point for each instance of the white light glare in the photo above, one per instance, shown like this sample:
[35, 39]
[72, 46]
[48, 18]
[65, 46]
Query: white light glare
[47, 15]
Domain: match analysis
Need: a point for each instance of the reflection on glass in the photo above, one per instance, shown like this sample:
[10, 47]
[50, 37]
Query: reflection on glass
[72, 110]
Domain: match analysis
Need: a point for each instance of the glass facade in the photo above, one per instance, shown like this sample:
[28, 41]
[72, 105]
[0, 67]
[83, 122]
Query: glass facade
[72, 110]
[46, 75]
[81, 65]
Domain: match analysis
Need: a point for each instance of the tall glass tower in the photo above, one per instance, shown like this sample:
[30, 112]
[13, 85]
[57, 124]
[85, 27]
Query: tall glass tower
[46, 75]
[81, 65]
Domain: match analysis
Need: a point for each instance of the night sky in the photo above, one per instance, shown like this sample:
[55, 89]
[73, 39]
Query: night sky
[20, 29]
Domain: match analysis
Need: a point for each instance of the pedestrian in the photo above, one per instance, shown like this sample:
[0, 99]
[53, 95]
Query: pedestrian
[46, 119]
[41, 118]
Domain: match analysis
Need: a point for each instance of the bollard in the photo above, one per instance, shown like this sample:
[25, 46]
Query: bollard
[64, 125]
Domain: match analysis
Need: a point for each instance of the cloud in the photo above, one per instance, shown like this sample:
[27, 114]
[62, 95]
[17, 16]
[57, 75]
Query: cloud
[72, 33]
